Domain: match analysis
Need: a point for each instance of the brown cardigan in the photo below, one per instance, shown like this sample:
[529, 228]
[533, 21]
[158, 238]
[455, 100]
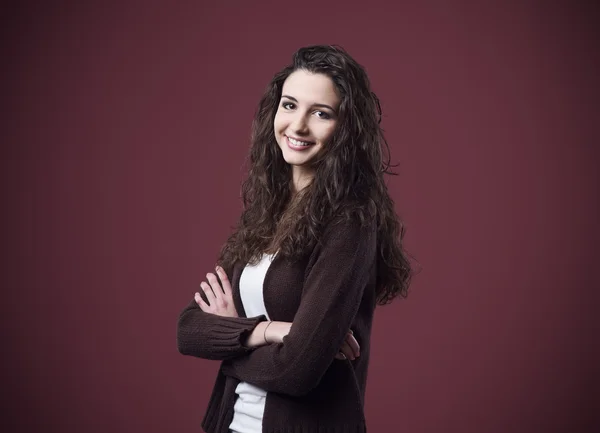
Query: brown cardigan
[325, 294]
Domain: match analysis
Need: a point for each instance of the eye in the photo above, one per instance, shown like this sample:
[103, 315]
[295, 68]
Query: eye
[323, 115]
[287, 105]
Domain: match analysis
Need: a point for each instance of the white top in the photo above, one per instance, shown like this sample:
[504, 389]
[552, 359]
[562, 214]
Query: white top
[250, 404]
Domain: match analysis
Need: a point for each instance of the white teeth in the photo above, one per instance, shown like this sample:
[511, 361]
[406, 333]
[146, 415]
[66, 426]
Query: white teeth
[298, 143]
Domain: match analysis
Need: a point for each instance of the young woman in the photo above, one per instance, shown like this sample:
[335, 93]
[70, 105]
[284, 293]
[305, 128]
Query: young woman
[289, 309]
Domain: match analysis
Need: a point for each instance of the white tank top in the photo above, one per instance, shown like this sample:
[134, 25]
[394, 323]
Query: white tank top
[250, 404]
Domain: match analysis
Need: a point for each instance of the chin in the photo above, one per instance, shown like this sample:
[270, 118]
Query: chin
[292, 160]
[295, 158]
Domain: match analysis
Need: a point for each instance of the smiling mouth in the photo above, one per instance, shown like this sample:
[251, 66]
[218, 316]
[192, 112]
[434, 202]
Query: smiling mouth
[297, 142]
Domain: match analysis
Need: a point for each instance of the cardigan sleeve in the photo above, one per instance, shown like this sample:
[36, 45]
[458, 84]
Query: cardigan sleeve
[332, 294]
[210, 336]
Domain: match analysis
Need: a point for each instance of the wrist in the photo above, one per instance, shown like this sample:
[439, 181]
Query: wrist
[276, 330]
[265, 331]
[256, 337]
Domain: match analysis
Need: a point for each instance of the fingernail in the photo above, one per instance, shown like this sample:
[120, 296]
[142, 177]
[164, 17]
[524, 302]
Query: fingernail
[344, 356]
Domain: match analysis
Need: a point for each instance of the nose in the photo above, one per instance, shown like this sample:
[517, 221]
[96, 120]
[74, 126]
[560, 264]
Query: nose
[299, 124]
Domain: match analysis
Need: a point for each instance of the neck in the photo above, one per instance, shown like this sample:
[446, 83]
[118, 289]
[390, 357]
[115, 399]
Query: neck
[300, 178]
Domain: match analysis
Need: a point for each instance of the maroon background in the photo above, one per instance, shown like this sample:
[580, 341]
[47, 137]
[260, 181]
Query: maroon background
[126, 128]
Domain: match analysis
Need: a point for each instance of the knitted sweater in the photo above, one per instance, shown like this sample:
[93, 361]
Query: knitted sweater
[324, 295]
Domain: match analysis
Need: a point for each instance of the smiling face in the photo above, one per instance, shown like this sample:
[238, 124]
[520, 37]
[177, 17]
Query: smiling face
[305, 120]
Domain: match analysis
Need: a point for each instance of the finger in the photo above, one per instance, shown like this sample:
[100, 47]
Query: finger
[340, 355]
[351, 340]
[224, 281]
[214, 283]
[210, 296]
[203, 305]
[347, 350]
[217, 290]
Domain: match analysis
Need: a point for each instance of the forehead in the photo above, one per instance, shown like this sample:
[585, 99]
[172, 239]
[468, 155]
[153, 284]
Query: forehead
[311, 88]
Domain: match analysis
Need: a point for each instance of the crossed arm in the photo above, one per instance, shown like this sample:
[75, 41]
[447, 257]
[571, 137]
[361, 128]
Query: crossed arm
[208, 330]
[218, 300]
[289, 358]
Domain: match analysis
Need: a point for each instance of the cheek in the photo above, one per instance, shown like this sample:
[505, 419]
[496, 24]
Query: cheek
[278, 123]
[328, 133]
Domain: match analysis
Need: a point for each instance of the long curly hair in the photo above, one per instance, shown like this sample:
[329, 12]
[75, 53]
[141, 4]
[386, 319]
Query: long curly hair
[348, 181]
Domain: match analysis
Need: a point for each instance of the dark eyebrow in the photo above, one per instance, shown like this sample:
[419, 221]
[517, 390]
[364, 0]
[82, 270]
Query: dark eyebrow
[314, 105]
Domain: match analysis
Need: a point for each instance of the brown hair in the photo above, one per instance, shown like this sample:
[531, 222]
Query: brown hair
[348, 181]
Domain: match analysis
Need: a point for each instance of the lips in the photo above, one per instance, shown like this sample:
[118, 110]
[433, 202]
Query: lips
[297, 142]
[298, 147]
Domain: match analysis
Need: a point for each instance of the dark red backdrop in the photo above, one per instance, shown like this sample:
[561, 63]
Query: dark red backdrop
[127, 125]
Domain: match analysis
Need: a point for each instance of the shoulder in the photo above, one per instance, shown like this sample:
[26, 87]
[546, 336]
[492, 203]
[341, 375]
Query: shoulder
[349, 231]
[353, 218]
[347, 245]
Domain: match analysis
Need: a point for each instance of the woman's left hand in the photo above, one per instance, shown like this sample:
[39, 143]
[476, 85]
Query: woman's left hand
[350, 348]
[220, 298]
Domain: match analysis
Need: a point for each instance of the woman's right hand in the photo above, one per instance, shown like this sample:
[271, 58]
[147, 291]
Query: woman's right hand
[219, 296]
[350, 348]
